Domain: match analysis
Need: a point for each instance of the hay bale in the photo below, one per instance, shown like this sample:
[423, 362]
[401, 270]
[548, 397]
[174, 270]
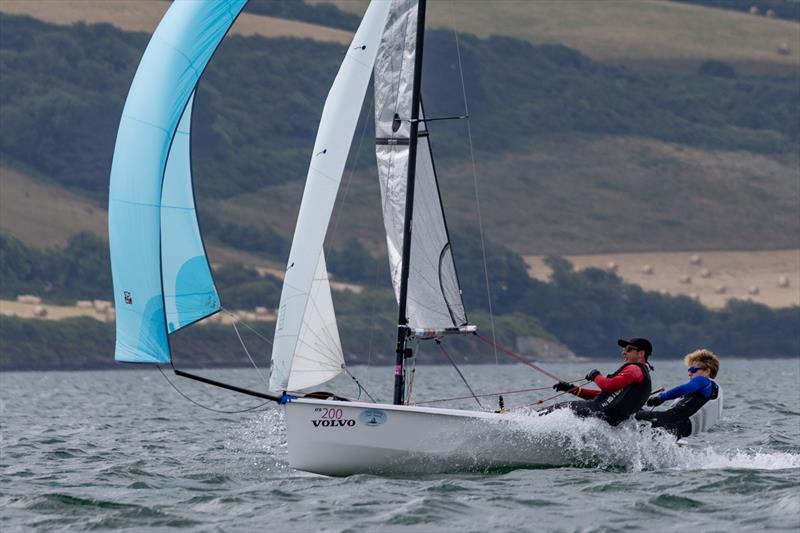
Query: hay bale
[84, 304]
[754, 10]
[695, 259]
[783, 282]
[705, 273]
[783, 49]
[721, 289]
[39, 311]
[647, 269]
[261, 311]
[686, 280]
[770, 13]
[29, 299]
[101, 305]
[611, 266]
[753, 290]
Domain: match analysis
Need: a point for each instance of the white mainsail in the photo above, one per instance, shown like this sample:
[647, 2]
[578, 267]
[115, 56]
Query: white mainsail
[306, 308]
[434, 295]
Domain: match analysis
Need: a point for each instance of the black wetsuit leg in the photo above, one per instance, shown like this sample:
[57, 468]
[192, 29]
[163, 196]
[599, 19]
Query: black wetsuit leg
[678, 425]
[582, 408]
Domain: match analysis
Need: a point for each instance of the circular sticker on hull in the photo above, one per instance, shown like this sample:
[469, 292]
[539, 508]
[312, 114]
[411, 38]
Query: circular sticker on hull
[372, 417]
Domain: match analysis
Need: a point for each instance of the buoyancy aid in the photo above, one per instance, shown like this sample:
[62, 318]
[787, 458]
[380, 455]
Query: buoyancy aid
[702, 412]
[620, 405]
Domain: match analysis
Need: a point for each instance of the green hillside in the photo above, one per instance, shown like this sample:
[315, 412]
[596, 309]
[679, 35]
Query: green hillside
[561, 141]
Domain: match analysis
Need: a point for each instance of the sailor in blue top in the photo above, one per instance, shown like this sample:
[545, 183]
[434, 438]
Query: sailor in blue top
[700, 404]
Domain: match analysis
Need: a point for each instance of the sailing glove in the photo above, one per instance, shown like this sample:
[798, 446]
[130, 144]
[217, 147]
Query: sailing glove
[655, 401]
[592, 374]
[563, 386]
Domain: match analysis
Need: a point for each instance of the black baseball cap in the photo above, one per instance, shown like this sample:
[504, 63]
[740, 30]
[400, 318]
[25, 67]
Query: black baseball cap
[639, 344]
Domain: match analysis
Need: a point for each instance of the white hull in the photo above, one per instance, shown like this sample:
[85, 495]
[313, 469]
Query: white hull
[343, 438]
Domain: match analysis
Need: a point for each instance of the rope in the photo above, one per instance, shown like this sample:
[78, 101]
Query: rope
[475, 184]
[488, 395]
[539, 402]
[259, 335]
[349, 180]
[241, 341]
[441, 348]
[517, 357]
[207, 408]
[360, 388]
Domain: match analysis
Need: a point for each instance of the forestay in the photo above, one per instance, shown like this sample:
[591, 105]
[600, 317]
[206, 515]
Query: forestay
[160, 271]
[307, 350]
[434, 295]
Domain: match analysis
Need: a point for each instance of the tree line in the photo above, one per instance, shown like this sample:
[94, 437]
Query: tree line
[586, 310]
[62, 90]
[784, 9]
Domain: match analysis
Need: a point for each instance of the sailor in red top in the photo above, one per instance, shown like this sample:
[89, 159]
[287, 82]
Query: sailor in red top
[622, 393]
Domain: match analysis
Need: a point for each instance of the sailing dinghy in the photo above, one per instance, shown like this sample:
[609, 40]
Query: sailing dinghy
[163, 282]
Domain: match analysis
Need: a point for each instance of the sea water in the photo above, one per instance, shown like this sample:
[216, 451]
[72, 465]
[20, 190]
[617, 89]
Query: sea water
[122, 450]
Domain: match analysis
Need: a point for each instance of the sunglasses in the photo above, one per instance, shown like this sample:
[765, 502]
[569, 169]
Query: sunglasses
[693, 369]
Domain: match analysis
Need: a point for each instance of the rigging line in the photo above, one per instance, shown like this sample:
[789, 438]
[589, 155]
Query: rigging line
[516, 356]
[439, 343]
[539, 402]
[487, 395]
[360, 387]
[255, 331]
[241, 341]
[349, 180]
[205, 406]
[475, 182]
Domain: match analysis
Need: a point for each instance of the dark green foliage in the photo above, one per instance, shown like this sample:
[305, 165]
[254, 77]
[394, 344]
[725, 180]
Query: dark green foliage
[231, 275]
[40, 344]
[785, 9]
[265, 292]
[261, 240]
[518, 91]
[322, 14]
[81, 270]
[61, 96]
[244, 288]
[354, 263]
[215, 345]
[716, 68]
[257, 108]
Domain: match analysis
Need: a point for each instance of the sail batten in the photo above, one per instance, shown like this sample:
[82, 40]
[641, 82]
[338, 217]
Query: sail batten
[433, 298]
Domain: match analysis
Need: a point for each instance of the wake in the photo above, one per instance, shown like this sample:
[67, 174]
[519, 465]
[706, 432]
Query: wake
[635, 446]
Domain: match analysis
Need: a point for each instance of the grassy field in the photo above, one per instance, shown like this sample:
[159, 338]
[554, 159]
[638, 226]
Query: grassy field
[715, 279]
[44, 214]
[646, 33]
[651, 33]
[144, 15]
[580, 196]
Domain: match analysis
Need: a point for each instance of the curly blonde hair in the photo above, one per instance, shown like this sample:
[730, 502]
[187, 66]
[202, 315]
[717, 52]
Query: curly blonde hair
[703, 358]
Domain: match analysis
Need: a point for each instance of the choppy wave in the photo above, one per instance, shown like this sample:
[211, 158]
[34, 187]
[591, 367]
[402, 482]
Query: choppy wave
[121, 451]
[635, 446]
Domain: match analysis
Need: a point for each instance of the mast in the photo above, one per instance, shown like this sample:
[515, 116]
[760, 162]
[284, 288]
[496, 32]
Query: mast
[402, 320]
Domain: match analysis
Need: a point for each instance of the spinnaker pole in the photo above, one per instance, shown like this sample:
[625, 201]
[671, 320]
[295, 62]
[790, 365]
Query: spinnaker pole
[403, 332]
